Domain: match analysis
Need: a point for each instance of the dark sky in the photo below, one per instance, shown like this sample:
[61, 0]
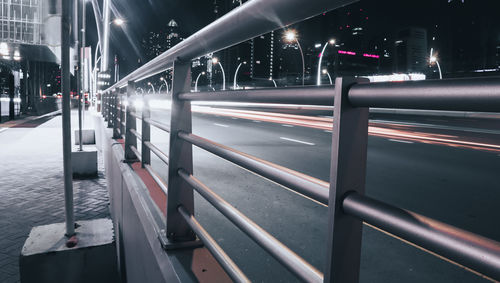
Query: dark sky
[386, 16]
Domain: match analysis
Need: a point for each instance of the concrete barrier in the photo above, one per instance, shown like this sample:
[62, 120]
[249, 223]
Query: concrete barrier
[138, 223]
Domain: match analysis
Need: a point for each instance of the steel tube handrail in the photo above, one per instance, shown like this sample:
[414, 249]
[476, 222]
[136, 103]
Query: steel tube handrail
[157, 152]
[133, 114]
[158, 125]
[292, 95]
[136, 134]
[157, 178]
[475, 252]
[476, 94]
[299, 183]
[225, 261]
[252, 19]
[136, 152]
[280, 252]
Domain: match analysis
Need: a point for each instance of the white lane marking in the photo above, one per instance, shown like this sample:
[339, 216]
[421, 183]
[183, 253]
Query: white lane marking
[285, 125]
[297, 141]
[328, 131]
[221, 125]
[234, 118]
[401, 141]
[255, 121]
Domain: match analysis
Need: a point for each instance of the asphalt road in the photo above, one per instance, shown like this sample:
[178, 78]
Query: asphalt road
[457, 183]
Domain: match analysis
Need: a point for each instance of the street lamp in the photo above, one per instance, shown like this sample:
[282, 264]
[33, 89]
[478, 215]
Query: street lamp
[166, 84]
[291, 36]
[216, 61]
[151, 85]
[332, 42]
[433, 59]
[196, 83]
[118, 21]
[236, 74]
[325, 72]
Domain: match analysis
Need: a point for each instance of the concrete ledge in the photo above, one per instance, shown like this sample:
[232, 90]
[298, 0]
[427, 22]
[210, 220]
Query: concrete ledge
[45, 257]
[84, 163]
[138, 224]
[88, 137]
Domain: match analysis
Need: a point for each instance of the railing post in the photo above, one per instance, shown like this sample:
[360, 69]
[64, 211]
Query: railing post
[146, 131]
[130, 139]
[180, 156]
[122, 116]
[347, 173]
[111, 110]
[116, 123]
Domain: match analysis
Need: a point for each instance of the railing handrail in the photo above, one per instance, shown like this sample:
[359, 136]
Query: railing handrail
[251, 19]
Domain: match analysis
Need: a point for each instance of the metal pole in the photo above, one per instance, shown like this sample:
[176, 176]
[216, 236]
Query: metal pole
[130, 139]
[236, 75]
[303, 62]
[223, 77]
[318, 80]
[66, 117]
[78, 72]
[146, 132]
[180, 157]
[439, 69]
[347, 174]
[196, 83]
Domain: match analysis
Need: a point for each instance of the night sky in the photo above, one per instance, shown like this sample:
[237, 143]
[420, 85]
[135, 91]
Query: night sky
[385, 17]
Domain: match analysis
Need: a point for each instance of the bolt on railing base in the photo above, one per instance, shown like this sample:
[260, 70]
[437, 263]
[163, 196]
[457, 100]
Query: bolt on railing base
[168, 245]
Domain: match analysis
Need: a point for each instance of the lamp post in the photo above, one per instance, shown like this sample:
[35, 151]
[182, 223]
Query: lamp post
[433, 59]
[325, 71]
[152, 87]
[166, 84]
[332, 42]
[235, 85]
[291, 36]
[196, 83]
[216, 61]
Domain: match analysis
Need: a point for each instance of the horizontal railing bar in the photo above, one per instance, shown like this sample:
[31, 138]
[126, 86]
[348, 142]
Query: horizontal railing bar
[136, 152]
[224, 260]
[133, 114]
[157, 178]
[157, 152]
[297, 182]
[157, 124]
[250, 20]
[282, 253]
[136, 134]
[477, 253]
[290, 95]
[472, 94]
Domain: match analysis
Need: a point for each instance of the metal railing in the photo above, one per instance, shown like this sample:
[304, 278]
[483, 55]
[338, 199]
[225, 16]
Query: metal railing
[344, 194]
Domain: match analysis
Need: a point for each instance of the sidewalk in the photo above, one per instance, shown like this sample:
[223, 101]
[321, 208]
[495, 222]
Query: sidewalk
[32, 190]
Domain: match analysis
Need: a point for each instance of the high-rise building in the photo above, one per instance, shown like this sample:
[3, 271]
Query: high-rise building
[263, 56]
[173, 36]
[411, 53]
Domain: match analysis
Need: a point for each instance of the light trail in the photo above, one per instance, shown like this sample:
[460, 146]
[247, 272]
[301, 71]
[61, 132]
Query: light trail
[400, 131]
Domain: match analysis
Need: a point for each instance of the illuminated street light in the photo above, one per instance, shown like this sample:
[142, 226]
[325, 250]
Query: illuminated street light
[331, 42]
[151, 85]
[166, 84]
[325, 71]
[216, 61]
[291, 36]
[236, 74]
[433, 59]
[118, 21]
[196, 83]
